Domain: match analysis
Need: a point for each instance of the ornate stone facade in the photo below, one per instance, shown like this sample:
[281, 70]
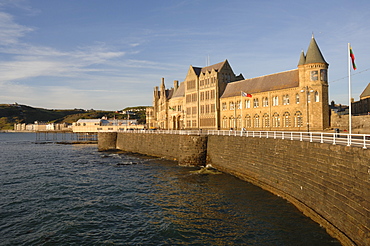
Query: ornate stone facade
[213, 97]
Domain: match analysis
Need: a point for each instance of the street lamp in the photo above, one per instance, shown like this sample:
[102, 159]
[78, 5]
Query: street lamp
[308, 100]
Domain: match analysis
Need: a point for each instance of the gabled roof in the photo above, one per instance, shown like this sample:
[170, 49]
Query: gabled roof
[180, 92]
[216, 67]
[366, 92]
[313, 54]
[277, 81]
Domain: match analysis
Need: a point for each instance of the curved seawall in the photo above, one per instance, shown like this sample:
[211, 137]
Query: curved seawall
[329, 183]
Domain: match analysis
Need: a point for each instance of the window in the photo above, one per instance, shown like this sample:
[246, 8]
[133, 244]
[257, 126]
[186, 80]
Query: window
[224, 106]
[202, 109]
[238, 104]
[202, 96]
[194, 110]
[286, 100]
[276, 120]
[224, 122]
[207, 109]
[317, 97]
[232, 106]
[314, 75]
[266, 121]
[323, 75]
[256, 120]
[238, 122]
[286, 117]
[298, 120]
[275, 101]
[248, 103]
[248, 121]
[213, 108]
[232, 122]
[297, 98]
[255, 103]
[265, 102]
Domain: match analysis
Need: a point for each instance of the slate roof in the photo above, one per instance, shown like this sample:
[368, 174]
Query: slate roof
[277, 81]
[366, 92]
[180, 92]
[216, 67]
[313, 54]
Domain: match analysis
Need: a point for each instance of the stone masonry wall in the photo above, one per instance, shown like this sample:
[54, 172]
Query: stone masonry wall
[186, 149]
[329, 183]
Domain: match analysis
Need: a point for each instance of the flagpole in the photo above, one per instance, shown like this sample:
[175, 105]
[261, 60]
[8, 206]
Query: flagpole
[349, 96]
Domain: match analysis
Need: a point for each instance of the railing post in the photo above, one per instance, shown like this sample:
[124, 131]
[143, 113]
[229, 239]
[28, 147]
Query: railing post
[282, 135]
[322, 138]
[291, 136]
[274, 134]
[364, 142]
[311, 137]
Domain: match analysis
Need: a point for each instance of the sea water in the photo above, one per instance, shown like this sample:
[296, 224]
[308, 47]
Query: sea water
[55, 194]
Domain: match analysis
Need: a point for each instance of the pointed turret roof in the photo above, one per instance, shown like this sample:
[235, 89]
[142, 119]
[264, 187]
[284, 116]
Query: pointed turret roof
[302, 59]
[313, 54]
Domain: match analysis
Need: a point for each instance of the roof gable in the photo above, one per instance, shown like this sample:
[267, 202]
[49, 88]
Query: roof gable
[366, 92]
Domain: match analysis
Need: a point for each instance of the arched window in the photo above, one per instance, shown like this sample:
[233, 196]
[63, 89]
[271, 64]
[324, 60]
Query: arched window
[232, 122]
[286, 99]
[317, 97]
[286, 118]
[275, 101]
[265, 102]
[238, 122]
[224, 122]
[297, 98]
[256, 121]
[248, 103]
[298, 120]
[255, 103]
[275, 120]
[266, 120]
[248, 121]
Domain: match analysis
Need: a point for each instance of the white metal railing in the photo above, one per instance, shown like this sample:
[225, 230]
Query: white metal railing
[355, 140]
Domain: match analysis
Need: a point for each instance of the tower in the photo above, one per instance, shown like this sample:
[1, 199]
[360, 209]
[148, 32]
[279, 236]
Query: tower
[313, 81]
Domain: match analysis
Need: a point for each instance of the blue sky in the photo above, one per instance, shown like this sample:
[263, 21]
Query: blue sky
[109, 54]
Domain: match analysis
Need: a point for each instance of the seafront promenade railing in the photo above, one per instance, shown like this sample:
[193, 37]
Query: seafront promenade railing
[354, 140]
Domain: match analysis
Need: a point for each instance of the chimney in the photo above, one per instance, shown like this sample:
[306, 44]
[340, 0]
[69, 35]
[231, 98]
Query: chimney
[175, 84]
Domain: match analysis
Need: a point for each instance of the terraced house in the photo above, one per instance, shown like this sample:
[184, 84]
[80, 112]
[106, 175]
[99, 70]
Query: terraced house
[213, 97]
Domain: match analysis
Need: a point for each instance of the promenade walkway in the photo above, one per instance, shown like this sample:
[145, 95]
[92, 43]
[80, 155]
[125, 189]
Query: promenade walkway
[353, 140]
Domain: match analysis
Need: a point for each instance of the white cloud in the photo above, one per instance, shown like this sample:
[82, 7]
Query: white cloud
[10, 32]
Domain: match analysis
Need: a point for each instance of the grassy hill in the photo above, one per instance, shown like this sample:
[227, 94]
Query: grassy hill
[15, 113]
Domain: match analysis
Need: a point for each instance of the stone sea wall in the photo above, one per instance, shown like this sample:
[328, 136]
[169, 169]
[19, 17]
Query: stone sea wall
[328, 183]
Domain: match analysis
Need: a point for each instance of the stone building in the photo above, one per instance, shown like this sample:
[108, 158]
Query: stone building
[213, 97]
[363, 106]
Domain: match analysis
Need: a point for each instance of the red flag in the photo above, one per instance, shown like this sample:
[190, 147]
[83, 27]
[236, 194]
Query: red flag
[352, 58]
[244, 94]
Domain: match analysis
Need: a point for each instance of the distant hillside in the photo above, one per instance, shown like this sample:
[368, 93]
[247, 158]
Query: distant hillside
[15, 113]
